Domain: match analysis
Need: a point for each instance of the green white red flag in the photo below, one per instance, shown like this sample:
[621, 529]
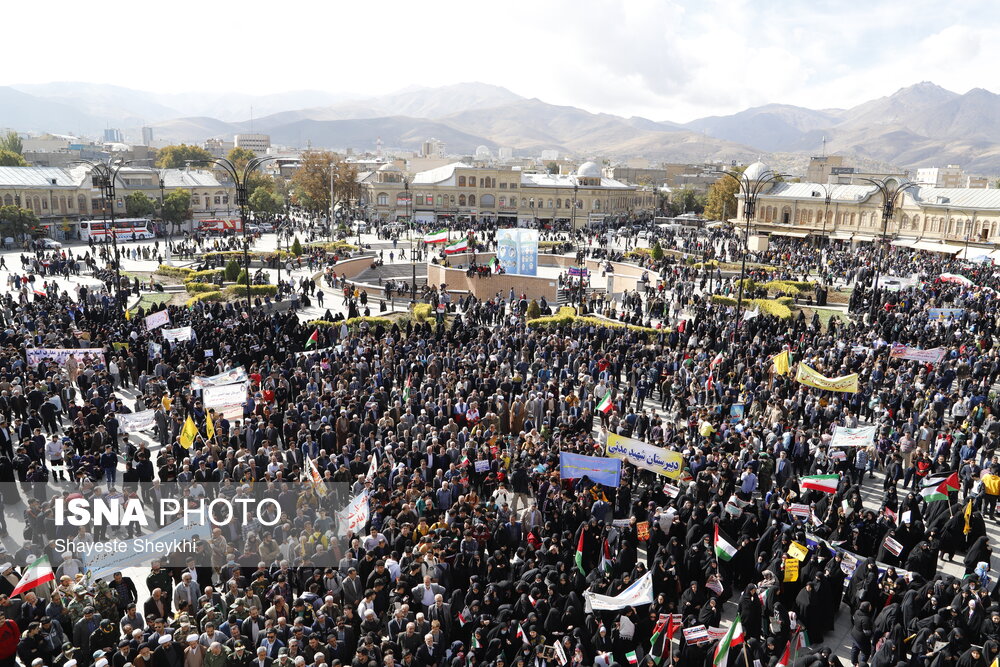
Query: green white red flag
[36, 574]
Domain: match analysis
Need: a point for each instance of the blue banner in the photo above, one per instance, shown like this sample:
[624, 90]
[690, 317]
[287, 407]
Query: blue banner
[517, 251]
[595, 468]
[945, 313]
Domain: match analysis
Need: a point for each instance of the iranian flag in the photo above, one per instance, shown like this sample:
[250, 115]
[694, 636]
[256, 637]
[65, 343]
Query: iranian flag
[824, 483]
[724, 549]
[37, 574]
[633, 659]
[605, 404]
[460, 245]
[578, 559]
[313, 339]
[732, 640]
[605, 558]
[521, 634]
[440, 236]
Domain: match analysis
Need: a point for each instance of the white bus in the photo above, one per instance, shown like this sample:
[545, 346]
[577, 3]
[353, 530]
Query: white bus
[126, 229]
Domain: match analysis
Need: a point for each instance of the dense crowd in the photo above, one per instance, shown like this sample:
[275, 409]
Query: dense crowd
[477, 551]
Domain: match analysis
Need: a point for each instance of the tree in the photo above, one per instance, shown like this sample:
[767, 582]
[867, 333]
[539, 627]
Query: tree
[240, 156]
[17, 222]
[11, 159]
[534, 310]
[689, 200]
[12, 142]
[656, 252]
[232, 270]
[265, 204]
[138, 205]
[177, 156]
[721, 201]
[177, 208]
[297, 247]
[311, 182]
[552, 167]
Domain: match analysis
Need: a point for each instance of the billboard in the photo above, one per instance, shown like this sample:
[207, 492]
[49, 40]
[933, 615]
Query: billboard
[517, 251]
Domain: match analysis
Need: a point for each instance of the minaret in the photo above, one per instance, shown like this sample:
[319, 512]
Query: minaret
[378, 147]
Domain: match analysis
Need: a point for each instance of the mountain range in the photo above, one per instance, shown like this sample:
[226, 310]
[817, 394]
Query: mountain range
[916, 126]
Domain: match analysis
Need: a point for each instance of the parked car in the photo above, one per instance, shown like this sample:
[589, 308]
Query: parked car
[48, 244]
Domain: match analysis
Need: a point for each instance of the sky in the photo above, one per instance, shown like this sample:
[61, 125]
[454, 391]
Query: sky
[660, 59]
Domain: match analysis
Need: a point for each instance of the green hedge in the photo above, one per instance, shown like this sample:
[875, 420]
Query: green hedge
[174, 271]
[207, 274]
[774, 307]
[336, 246]
[712, 263]
[195, 287]
[214, 295]
[723, 300]
[240, 291]
[567, 315]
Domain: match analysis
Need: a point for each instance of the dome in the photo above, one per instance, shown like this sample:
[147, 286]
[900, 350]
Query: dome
[589, 170]
[756, 170]
[389, 167]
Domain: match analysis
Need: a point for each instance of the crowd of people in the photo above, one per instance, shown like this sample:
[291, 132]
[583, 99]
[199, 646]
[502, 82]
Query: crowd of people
[479, 549]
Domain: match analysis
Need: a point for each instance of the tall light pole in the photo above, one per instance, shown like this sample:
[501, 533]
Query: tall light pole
[828, 193]
[413, 244]
[240, 178]
[104, 175]
[750, 186]
[890, 189]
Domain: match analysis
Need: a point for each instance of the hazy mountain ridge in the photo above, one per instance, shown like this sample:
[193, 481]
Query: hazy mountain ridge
[919, 125]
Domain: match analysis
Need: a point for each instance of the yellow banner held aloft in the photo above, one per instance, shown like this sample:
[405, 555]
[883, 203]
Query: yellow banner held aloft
[791, 570]
[188, 433]
[810, 378]
[781, 362]
[797, 551]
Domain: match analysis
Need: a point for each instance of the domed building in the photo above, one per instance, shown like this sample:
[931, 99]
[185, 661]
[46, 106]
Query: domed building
[589, 173]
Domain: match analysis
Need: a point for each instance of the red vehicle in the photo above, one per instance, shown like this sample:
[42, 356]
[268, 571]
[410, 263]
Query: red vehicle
[221, 226]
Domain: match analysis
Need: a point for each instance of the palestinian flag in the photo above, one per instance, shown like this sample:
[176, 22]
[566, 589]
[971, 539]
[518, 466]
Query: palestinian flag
[406, 389]
[578, 559]
[938, 488]
[724, 549]
[313, 340]
[464, 616]
[521, 634]
[605, 404]
[660, 641]
[36, 574]
[605, 557]
[440, 236]
[475, 642]
[633, 659]
[786, 658]
[824, 483]
[460, 245]
[733, 639]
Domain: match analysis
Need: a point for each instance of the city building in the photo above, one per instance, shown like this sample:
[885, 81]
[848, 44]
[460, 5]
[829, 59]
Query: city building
[951, 176]
[822, 168]
[61, 197]
[218, 147]
[147, 136]
[432, 148]
[112, 136]
[505, 153]
[258, 143]
[458, 191]
[926, 217]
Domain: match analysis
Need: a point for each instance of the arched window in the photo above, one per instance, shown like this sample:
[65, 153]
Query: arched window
[461, 181]
[8, 200]
[852, 219]
[503, 201]
[597, 204]
[489, 201]
[524, 202]
[915, 223]
[472, 200]
[550, 204]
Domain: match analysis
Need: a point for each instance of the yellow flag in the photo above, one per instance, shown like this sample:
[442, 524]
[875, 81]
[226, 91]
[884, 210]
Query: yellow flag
[968, 518]
[811, 378]
[128, 315]
[209, 426]
[781, 363]
[188, 433]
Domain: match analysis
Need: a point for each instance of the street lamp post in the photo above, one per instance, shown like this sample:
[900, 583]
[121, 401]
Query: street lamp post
[240, 178]
[890, 189]
[105, 174]
[750, 185]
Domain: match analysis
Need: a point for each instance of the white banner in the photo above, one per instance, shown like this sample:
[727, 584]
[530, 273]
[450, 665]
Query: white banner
[227, 394]
[137, 421]
[143, 550]
[863, 436]
[179, 334]
[59, 355]
[638, 453]
[639, 593]
[931, 356]
[237, 374]
[157, 319]
[354, 517]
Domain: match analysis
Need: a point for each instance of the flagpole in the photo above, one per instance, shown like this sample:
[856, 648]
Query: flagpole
[746, 659]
